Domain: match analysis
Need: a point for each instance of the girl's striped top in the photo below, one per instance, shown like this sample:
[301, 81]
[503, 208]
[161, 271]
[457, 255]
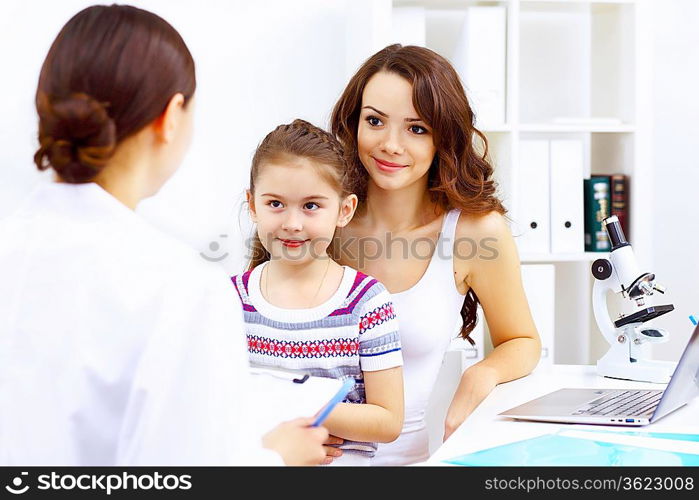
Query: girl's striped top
[354, 331]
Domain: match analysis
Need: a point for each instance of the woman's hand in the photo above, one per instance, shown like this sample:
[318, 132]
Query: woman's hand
[331, 453]
[297, 442]
[476, 383]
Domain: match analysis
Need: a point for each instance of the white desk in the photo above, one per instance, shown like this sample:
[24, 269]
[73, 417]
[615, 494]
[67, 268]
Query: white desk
[484, 429]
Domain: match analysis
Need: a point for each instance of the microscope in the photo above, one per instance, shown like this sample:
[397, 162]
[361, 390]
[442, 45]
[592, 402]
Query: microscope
[629, 336]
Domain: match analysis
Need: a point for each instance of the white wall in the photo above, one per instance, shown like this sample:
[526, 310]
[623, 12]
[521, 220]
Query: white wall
[676, 166]
[259, 64]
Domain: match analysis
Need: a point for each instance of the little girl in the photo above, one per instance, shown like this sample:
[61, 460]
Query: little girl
[303, 311]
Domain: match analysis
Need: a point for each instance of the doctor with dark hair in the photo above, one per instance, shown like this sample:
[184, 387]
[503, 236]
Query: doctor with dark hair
[118, 344]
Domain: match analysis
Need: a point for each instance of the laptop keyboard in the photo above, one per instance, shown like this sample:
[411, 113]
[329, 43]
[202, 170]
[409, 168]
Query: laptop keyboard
[623, 403]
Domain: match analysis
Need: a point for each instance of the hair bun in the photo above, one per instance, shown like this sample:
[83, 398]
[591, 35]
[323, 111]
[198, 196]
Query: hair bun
[76, 136]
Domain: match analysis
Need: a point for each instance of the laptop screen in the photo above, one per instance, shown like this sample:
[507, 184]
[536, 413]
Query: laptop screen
[684, 384]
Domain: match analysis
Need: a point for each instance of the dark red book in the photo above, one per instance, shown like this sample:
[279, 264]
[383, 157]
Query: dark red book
[620, 201]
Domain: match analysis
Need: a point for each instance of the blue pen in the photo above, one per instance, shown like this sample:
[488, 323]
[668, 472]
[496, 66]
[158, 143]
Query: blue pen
[693, 320]
[338, 397]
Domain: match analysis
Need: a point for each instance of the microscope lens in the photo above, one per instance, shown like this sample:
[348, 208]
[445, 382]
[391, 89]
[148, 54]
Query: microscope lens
[616, 234]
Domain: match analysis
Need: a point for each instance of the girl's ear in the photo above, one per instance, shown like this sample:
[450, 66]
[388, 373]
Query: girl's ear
[347, 209]
[251, 204]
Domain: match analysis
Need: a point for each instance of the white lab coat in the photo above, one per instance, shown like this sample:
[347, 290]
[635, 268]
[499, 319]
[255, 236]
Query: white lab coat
[118, 344]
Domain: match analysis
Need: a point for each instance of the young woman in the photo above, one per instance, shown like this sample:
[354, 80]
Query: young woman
[430, 227]
[117, 345]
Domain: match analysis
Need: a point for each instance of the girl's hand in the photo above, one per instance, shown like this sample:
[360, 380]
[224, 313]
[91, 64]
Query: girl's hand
[476, 383]
[331, 452]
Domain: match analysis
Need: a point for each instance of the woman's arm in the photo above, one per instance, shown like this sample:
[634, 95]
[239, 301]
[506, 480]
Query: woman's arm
[494, 275]
[381, 418]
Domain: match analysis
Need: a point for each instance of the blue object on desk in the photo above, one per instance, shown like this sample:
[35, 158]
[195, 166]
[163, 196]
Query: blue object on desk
[676, 436]
[337, 398]
[693, 320]
[552, 449]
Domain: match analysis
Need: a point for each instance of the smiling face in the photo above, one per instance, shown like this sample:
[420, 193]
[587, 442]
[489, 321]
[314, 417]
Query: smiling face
[297, 210]
[395, 146]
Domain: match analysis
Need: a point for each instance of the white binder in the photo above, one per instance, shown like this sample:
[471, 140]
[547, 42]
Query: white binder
[539, 283]
[567, 219]
[480, 59]
[532, 218]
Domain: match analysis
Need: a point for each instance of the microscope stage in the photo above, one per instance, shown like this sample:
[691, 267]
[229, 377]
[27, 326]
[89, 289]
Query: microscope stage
[644, 315]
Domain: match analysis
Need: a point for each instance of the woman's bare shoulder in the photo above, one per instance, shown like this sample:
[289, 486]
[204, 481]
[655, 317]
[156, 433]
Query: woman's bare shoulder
[492, 224]
[482, 243]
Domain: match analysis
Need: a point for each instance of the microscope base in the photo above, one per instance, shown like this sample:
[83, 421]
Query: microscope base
[658, 372]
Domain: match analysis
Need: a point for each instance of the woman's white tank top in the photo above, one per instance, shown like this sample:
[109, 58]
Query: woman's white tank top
[429, 318]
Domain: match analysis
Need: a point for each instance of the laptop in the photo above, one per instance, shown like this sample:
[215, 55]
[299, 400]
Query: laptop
[618, 406]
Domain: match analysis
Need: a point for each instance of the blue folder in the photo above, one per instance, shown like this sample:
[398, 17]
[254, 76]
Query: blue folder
[552, 449]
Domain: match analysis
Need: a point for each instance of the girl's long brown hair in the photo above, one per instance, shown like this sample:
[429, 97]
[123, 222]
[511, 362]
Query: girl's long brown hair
[460, 176]
[299, 139]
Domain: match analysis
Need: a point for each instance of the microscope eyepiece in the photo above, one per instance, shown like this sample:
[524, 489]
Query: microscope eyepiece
[616, 234]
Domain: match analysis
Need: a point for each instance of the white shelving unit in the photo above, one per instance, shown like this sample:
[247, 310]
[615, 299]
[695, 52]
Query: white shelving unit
[574, 69]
